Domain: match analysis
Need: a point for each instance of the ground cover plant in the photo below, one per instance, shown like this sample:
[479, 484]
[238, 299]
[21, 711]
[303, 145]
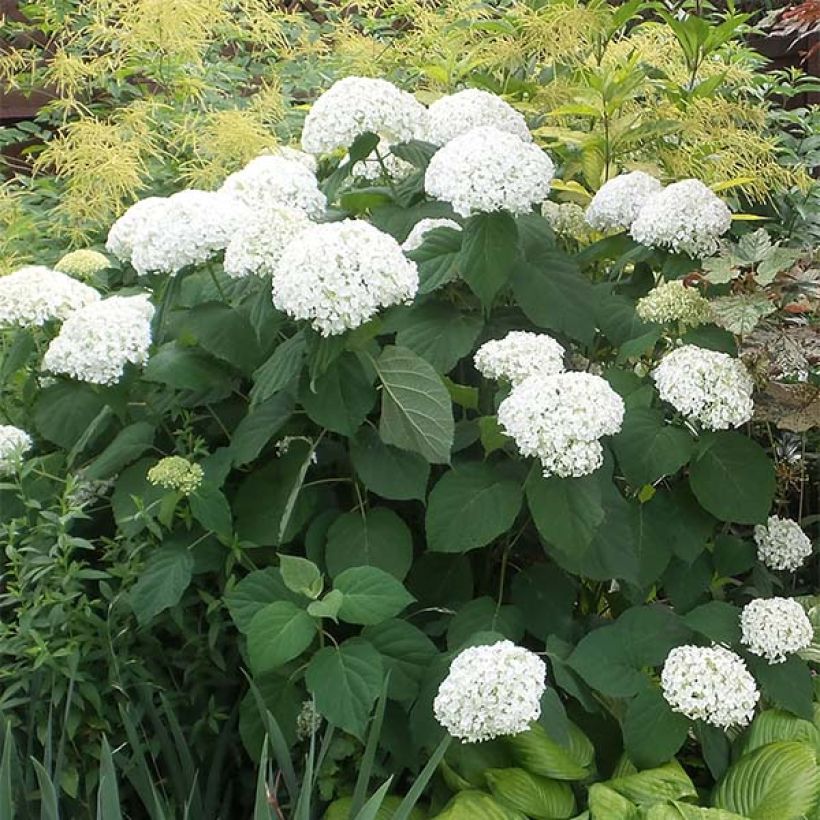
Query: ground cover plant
[455, 461]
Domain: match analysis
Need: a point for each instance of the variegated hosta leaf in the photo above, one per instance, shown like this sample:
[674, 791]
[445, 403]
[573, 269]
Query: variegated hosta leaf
[740, 314]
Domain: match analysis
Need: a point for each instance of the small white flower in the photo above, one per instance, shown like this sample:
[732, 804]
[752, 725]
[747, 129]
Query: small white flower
[416, 236]
[34, 295]
[488, 170]
[710, 684]
[781, 544]
[451, 116]
[775, 628]
[14, 444]
[618, 201]
[518, 355]
[120, 240]
[491, 691]
[674, 302]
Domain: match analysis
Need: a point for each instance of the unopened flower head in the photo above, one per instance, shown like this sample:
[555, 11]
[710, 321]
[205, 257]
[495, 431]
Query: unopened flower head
[338, 275]
[96, 342]
[559, 419]
[451, 116]
[567, 220]
[491, 691]
[308, 721]
[83, 263]
[685, 217]
[356, 105]
[176, 473]
[489, 170]
[258, 243]
[674, 302]
[120, 240]
[381, 162]
[14, 444]
[269, 181]
[775, 628]
[781, 544]
[711, 684]
[34, 295]
[416, 236]
[618, 201]
[707, 386]
[518, 355]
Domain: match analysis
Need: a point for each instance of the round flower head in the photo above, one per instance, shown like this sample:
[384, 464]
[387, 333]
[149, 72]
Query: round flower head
[258, 243]
[120, 240]
[34, 295]
[489, 170]
[519, 355]
[416, 236]
[176, 473]
[706, 386]
[14, 444]
[674, 302]
[560, 418]
[781, 544]
[295, 155]
[710, 684]
[95, 343]
[774, 628]
[308, 721]
[380, 162]
[455, 114]
[567, 219]
[83, 263]
[685, 217]
[276, 181]
[618, 201]
[491, 691]
[357, 105]
[191, 228]
[339, 274]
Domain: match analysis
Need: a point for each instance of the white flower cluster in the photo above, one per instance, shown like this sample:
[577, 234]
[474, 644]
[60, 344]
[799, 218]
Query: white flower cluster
[674, 302]
[339, 274]
[774, 628]
[380, 161]
[97, 341]
[258, 243]
[618, 201]
[357, 105]
[567, 219]
[456, 114]
[487, 170]
[295, 155]
[33, 295]
[706, 386]
[276, 180]
[560, 419]
[686, 217]
[123, 232]
[14, 443]
[710, 684]
[518, 355]
[416, 236]
[491, 691]
[781, 544]
[83, 263]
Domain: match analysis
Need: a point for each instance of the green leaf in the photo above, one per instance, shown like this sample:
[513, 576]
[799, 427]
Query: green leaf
[607, 803]
[779, 780]
[278, 633]
[488, 253]
[675, 810]
[387, 471]
[437, 258]
[210, 507]
[223, 332]
[774, 724]
[667, 782]
[108, 796]
[300, 575]
[732, 478]
[370, 595]
[538, 797]
[787, 685]
[537, 753]
[128, 445]
[475, 805]
[345, 681]
[653, 733]
[64, 411]
[259, 426]
[546, 597]
[280, 369]
[469, 507]
[417, 414]
[187, 368]
[440, 333]
[328, 607]
[717, 620]
[135, 498]
[483, 616]
[377, 538]
[740, 314]
[255, 591]
[277, 695]
[162, 581]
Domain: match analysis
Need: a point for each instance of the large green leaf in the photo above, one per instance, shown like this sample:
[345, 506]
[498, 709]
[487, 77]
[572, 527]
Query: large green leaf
[437, 258]
[63, 412]
[676, 810]
[187, 368]
[254, 592]
[282, 698]
[546, 597]
[223, 332]
[340, 809]
[787, 685]
[134, 498]
[280, 369]
[387, 471]
[440, 333]
[667, 782]
[475, 805]
[371, 595]
[538, 797]
[489, 252]
[653, 733]
[278, 633]
[471, 505]
[607, 804]
[717, 620]
[162, 581]
[484, 616]
[417, 414]
[259, 426]
[537, 753]
[128, 445]
[774, 724]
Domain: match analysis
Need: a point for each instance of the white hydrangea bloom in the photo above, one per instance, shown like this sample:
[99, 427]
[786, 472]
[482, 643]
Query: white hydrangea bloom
[276, 181]
[96, 342]
[560, 418]
[491, 691]
[489, 170]
[14, 444]
[618, 201]
[781, 544]
[567, 219]
[120, 240]
[259, 241]
[518, 355]
[370, 168]
[674, 302]
[710, 684]
[357, 105]
[295, 155]
[451, 116]
[774, 628]
[416, 236]
[339, 274]
[191, 228]
[706, 386]
[33, 295]
[686, 217]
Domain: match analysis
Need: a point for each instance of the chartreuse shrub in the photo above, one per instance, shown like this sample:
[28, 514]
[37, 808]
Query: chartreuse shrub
[491, 516]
